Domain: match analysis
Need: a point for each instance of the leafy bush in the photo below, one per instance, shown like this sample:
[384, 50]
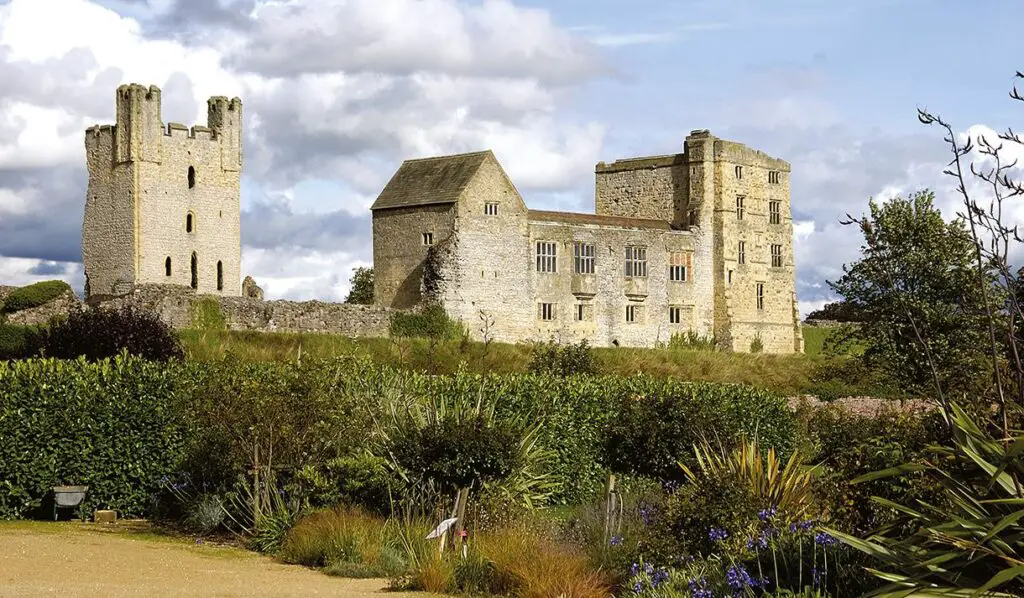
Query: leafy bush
[361, 479]
[98, 333]
[655, 428]
[113, 425]
[555, 359]
[18, 342]
[757, 345]
[433, 322]
[34, 295]
[691, 341]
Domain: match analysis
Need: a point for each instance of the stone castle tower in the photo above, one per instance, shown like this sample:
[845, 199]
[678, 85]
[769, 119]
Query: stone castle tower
[163, 203]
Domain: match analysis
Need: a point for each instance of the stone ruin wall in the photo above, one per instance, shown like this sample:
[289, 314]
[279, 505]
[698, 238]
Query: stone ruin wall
[175, 305]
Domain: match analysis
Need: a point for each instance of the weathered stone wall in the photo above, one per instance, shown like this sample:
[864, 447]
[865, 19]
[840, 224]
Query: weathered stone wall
[399, 251]
[177, 305]
[654, 187]
[5, 291]
[42, 314]
[163, 194]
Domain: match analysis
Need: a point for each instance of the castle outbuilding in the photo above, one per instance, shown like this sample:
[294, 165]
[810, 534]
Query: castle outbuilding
[163, 203]
[698, 242]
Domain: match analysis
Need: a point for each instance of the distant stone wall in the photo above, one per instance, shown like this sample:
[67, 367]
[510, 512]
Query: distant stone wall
[5, 291]
[35, 316]
[176, 306]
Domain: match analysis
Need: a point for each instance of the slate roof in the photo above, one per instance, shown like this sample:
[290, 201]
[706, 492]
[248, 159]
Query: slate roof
[427, 181]
[599, 219]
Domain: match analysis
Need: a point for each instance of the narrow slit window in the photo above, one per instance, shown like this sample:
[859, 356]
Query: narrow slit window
[760, 295]
[220, 276]
[167, 266]
[428, 239]
[189, 222]
[739, 207]
[191, 177]
[739, 172]
[195, 271]
[741, 253]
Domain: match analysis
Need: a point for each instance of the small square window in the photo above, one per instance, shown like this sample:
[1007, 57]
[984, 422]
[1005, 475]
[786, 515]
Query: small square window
[491, 208]
[773, 177]
[428, 238]
[546, 311]
[633, 313]
[675, 315]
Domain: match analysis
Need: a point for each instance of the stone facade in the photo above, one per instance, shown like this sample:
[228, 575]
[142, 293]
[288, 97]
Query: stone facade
[660, 256]
[163, 202]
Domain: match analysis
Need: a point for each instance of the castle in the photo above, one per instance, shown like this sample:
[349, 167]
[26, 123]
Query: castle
[163, 203]
[697, 242]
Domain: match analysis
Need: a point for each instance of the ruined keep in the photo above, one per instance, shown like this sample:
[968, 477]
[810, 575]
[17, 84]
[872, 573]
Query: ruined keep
[163, 203]
[698, 241]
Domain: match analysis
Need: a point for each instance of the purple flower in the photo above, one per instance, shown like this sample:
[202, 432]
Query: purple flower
[699, 589]
[738, 578]
[767, 514]
[616, 540]
[823, 539]
[717, 534]
[638, 587]
[660, 576]
[634, 569]
[648, 568]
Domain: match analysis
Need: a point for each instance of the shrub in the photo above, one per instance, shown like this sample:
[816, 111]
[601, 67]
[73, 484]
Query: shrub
[342, 536]
[433, 323]
[361, 479]
[757, 345]
[98, 333]
[655, 428]
[691, 341]
[113, 425]
[555, 359]
[18, 342]
[34, 295]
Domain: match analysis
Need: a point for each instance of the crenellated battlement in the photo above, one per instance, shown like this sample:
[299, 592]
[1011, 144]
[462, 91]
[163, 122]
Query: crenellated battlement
[139, 133]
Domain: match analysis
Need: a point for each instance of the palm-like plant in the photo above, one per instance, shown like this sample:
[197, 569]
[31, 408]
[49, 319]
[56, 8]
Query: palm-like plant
[787, 487]
[972, 543]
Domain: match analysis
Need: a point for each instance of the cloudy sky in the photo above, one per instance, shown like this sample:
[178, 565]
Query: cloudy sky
[338, 92]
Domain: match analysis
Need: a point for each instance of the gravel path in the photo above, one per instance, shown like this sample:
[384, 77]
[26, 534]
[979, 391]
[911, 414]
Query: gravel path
[84, 560]
[865, 405]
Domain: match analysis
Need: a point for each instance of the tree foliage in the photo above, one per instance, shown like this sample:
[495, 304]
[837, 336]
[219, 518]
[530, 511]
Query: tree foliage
[361, 286]
[837, 311]
[917, 290]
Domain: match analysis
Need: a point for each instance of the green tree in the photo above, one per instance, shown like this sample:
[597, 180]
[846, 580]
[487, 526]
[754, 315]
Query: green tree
[917, 290]
[361, 285]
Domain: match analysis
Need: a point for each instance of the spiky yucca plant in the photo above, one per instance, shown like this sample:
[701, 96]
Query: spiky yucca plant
[972, 543]
[787, 487]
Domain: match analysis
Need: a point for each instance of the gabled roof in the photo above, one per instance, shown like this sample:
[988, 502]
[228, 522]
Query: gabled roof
[426, 181]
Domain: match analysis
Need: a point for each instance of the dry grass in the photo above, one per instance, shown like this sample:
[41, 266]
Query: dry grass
[336, 537]
[788, 374]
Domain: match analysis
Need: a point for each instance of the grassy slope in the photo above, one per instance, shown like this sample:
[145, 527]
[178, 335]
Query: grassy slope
[791, 374]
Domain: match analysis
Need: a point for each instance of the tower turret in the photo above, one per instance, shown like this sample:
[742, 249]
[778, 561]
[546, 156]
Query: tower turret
[224, 117]
[138, 135]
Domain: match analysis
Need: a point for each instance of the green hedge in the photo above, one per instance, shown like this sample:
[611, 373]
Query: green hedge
[113, 425]
[34, 295]
[127, 426]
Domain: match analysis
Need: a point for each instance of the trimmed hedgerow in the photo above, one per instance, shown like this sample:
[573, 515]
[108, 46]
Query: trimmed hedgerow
[114, 426]
[33, 295]
[18, 341]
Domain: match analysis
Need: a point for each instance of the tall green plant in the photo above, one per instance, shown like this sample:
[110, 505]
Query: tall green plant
[974, 539]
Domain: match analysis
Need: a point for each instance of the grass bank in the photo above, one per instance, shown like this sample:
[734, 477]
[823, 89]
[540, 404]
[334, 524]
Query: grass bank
[810, 373]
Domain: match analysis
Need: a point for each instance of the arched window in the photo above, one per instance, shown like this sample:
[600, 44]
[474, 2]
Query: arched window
[195, 271]
[167, 266]
[188, 222]
[191, 177]
[220, 276]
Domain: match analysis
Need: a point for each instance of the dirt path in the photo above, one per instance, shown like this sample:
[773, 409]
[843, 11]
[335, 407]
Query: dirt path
[80, 560]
